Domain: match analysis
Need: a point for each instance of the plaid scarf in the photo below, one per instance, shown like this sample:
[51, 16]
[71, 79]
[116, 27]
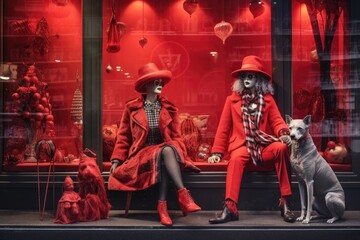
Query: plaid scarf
[252, 110]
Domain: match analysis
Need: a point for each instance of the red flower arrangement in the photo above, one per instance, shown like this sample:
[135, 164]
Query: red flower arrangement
[32, 103]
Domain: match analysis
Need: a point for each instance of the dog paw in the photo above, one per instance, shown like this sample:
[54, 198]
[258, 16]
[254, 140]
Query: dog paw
[299, 219]
[331, 220]
[306, 221]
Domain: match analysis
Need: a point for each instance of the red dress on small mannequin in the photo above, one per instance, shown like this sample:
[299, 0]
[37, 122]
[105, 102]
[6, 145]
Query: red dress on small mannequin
[68, 205]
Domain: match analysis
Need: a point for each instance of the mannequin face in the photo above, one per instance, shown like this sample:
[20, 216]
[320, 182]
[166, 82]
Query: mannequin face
[155, 86]
[249, 79]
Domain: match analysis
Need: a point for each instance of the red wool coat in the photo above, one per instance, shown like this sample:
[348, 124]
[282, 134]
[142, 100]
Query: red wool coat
[140, 167]
[230, 132]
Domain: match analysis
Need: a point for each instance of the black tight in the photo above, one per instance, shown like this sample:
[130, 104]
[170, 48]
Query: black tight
[170, 168]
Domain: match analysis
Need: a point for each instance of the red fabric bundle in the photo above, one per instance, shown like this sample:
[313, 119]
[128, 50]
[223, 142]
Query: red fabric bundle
[113, 44]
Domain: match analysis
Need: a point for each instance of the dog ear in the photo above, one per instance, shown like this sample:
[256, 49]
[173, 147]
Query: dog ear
[307, 120]
[288, 119]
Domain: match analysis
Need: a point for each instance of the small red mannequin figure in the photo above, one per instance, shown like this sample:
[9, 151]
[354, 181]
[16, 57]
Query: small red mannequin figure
[253, 129]
[148, 148]
[68, 205]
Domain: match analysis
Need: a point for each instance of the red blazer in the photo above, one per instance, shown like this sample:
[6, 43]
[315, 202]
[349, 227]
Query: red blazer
[230, 131]
[134, 128]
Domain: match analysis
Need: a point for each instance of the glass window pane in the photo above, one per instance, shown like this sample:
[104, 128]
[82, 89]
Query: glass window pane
[322, 82]
[201, 62]
[41, 82]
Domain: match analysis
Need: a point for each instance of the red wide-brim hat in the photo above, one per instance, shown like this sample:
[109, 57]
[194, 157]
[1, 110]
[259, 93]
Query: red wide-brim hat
[148, 73]
[251, 64]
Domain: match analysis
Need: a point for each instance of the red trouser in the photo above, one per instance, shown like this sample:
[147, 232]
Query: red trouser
[277, 152]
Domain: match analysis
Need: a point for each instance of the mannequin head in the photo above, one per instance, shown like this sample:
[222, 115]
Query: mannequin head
[249, 79]
[68, 184]
[150, 78]
[252, 75]
[258, 83]
[155, 86]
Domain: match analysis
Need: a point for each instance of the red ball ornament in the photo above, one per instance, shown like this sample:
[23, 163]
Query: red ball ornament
[190, 6]
[256, 8]
[39, 116]
[36, 96]
[33, 89]
[27, 79]
[26, 114]
[44, 101]
[50, 124]
[38, 124]
[50, 118]
[331, 145]
[15, 96]
[40, 108]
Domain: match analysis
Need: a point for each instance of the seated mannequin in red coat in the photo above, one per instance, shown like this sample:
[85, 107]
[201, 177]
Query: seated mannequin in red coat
[252, 129]
[148, 148]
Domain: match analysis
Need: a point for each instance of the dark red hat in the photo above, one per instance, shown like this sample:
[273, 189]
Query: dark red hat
[148, 73]
[251, 64]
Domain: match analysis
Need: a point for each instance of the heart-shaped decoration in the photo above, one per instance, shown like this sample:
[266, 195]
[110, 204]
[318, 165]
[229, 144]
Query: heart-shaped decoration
[256, 8]
[190, 6]
[143, 41]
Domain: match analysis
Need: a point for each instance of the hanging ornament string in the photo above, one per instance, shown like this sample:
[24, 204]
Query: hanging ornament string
[143, 40]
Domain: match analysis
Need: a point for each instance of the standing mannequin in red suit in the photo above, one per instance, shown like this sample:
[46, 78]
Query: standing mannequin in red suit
[253, 129]
[148, 148]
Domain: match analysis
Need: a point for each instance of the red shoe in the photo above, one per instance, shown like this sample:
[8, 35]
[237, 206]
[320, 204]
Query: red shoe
[163, 213]
[186, 202]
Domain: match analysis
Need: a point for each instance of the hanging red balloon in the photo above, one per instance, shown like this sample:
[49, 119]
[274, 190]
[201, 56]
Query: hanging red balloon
[143, 41]
[190, 6]
[223, 30]
[256, 8]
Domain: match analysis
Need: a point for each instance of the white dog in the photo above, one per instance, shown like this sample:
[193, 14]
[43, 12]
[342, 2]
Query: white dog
[318, 185]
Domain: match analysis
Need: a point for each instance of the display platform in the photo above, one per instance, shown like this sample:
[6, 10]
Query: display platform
[145, 225]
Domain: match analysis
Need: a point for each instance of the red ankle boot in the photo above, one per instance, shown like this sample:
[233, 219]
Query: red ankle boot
[163, 213]
[186, 202]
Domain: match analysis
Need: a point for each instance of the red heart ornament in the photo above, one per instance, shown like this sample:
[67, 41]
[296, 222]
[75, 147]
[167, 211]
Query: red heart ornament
[190, 6]
[143, 41]
[256, 8]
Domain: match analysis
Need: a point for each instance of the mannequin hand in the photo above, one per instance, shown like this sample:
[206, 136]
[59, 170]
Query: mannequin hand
[214, 159]
[285, 139]
[115, 164]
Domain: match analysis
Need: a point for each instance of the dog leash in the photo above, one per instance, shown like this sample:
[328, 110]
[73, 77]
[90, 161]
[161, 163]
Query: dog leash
[50, 151]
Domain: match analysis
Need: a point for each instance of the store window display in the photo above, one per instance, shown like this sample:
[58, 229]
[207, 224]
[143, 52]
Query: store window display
[254, 130]
[149, 148]
[191, 50]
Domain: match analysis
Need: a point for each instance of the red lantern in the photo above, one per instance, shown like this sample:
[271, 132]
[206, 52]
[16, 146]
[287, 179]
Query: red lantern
[256, 8]
[190, 6]
[223, 30]
[143, 41]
